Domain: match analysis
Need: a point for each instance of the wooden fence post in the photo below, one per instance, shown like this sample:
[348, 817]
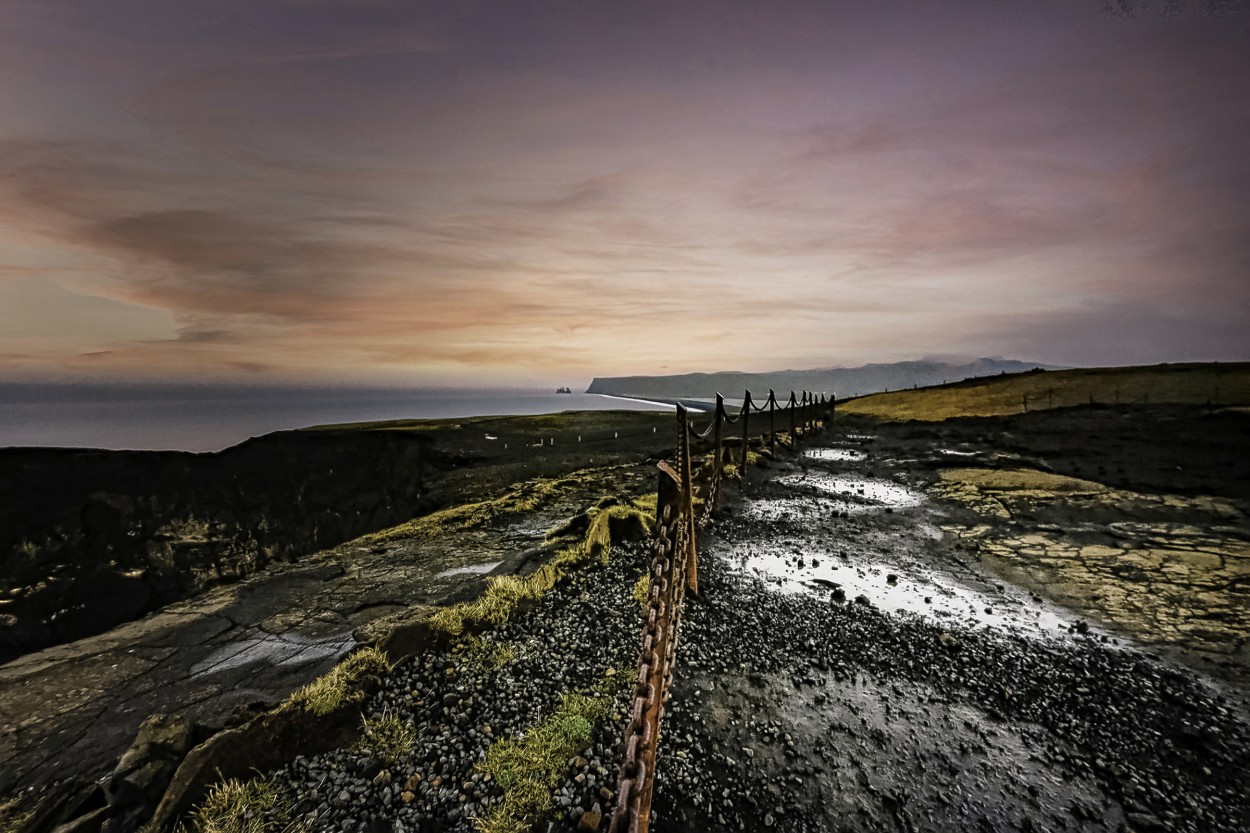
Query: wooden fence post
[745, 416]
[794, 439]
[772, 427]
[687, 500]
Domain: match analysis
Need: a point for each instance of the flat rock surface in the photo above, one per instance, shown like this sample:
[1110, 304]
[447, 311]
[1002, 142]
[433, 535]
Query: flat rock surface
[71, 710]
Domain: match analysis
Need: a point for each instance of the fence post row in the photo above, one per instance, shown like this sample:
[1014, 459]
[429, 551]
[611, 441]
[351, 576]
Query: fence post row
[674, 574]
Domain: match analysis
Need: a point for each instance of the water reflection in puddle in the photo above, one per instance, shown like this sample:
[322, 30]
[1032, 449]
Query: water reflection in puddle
[469, 570]
[917, 591]
[856, 489]
[849, 455]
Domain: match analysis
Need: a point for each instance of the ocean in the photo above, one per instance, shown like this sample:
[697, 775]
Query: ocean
[210, 419]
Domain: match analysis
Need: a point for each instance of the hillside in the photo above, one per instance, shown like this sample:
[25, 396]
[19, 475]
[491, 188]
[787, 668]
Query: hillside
[843, 381]
[1217, 384]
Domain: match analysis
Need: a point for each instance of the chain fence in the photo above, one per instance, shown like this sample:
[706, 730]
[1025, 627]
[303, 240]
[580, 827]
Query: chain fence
[673, 569]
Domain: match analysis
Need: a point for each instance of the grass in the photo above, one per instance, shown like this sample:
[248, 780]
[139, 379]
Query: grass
[12, 816]
[483, 653]
[504, 593]
[642, 592]
[521, 498]
[1196, 384]
[387, 738]
[234, 806]
[529, 768]
[341, 685]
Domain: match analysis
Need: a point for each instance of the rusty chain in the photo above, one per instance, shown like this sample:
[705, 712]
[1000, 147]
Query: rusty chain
[670, 571]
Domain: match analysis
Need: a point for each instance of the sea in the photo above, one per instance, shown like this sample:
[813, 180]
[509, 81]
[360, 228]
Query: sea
[210, 419]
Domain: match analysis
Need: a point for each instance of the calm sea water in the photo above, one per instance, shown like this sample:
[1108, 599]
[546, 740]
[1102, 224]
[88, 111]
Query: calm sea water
[208, 420]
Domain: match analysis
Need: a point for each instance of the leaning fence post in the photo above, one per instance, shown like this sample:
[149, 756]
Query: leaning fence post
[716, 440]
[745, 416]
[687, 488]
[772, 427]
[794, 440]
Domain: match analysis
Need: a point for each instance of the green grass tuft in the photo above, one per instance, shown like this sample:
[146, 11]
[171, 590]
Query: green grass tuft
[642, 591]
[504, 593]
[342, 684]
[387, 738]
[529, 768]
[234, 806]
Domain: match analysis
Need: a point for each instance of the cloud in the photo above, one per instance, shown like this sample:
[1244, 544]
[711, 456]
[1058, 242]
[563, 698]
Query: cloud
[380, 189]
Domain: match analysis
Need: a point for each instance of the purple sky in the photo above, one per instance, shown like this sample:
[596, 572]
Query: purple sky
[485, 193]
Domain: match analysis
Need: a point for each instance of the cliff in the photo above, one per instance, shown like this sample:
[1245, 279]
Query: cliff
[89, 539]
[842, 381]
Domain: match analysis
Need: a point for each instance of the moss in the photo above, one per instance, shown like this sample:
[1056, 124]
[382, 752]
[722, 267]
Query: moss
[387, 738]
[342, 684]
[521, 498]
[483, 653]
[13, 816]
[234, 806]
[504, 593]
[641, 592]
[529, 768]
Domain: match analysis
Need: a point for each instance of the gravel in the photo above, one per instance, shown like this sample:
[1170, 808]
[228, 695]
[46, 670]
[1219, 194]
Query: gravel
[567, 642]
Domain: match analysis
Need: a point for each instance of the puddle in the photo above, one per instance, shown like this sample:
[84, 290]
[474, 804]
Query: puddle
[924, 592]
[850, 455]
[275, 650]
[856, 489]
[470, 570]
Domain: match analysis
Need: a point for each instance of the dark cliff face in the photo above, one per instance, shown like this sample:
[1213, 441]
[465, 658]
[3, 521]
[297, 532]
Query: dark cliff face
[90, 539]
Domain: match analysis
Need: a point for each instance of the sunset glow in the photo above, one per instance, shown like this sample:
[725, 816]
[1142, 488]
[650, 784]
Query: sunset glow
[486, 193]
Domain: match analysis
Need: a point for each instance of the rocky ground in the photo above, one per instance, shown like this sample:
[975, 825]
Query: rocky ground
[879, 644]
[847, 667]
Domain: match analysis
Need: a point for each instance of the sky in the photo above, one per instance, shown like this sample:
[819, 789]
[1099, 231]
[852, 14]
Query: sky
[469, 193]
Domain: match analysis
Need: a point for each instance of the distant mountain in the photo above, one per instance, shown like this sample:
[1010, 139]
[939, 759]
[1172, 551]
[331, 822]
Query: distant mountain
[843, 381]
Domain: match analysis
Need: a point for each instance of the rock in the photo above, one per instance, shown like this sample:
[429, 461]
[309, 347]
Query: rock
[407, 796]
[589, 822]
[892, 578]
[147, 767]
[947, 640]
[1144, 823]
[413, 781]
[861, 599]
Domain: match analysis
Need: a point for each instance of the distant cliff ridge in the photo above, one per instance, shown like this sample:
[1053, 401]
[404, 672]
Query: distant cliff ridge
[843, 381]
